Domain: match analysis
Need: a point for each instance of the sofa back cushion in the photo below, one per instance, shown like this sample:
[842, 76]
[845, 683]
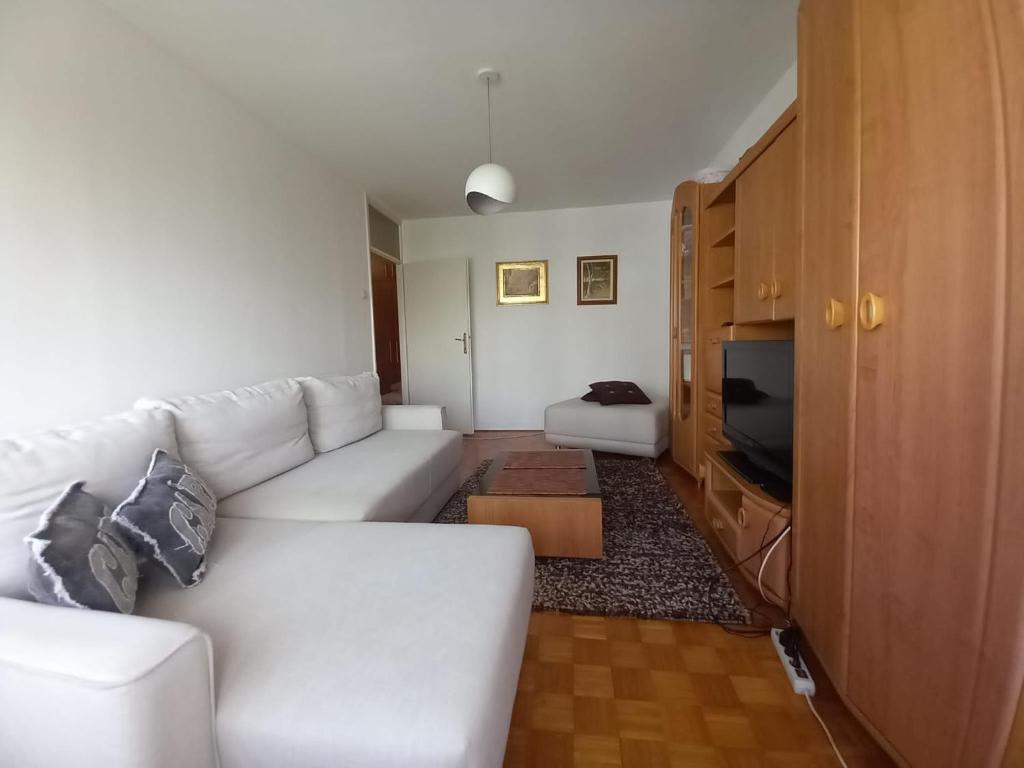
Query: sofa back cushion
[238, 438]
[342, 409]
[110, 455]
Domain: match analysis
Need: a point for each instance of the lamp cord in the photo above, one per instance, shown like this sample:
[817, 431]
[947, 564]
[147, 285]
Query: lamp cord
[490, 158]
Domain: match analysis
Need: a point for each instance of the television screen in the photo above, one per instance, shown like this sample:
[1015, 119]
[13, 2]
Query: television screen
[757, 402]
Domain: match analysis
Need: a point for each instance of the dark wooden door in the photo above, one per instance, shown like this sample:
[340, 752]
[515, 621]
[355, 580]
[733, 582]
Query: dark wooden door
[384, 279]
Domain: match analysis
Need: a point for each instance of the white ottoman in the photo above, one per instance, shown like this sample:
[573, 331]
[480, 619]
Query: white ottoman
[639, 430]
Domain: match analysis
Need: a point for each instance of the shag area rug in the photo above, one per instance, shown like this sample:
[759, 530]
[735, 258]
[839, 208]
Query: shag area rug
[656, 564]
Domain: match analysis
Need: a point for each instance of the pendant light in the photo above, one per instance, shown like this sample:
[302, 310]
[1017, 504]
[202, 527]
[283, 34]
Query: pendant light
[490, 187]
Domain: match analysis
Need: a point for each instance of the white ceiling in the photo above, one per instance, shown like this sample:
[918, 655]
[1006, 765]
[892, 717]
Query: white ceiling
[601, 101]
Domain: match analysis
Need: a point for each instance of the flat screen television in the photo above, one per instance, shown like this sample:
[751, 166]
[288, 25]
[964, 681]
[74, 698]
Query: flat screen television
[757, 412]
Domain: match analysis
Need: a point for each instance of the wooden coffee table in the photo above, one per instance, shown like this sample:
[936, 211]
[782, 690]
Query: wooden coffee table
[553, 494]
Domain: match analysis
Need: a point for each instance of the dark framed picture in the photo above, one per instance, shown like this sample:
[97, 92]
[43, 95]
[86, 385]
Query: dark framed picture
[597, 280]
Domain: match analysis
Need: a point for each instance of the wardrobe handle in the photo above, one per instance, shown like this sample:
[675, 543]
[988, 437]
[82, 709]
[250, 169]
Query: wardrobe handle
[776, 289]
[835, 314]
[763, 291]
[872, 311]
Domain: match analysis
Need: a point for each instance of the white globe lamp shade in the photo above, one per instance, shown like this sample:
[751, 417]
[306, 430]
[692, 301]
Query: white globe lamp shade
[489, 188]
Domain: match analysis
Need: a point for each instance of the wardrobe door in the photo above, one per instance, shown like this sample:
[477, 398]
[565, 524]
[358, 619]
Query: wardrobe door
[931, 388]
[754, 221]
[829, 141]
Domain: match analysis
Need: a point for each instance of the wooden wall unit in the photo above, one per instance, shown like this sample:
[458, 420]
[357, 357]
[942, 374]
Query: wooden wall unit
[741, 230]
[909, 530]
[730, 221]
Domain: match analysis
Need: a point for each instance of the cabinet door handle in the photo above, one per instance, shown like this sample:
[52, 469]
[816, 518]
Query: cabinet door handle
[763, 291]
[835, 314]
[776, 289]
[741, 517]
[872, 311]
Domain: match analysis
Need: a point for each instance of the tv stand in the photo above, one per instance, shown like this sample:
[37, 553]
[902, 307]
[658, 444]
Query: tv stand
[744, 516]
[749, 471]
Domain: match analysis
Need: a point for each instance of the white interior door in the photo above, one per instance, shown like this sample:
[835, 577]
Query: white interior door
[439, 346]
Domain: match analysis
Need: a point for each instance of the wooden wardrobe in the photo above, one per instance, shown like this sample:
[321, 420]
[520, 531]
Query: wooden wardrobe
[909, 527]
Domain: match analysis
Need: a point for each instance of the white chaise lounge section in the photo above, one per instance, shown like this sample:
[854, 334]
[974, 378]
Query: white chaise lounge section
[361, 644]
[637, 430]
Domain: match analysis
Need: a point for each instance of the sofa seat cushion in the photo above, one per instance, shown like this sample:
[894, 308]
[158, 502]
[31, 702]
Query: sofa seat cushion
[624, 423]
[366, 645]
[385, 476]
[238, 438]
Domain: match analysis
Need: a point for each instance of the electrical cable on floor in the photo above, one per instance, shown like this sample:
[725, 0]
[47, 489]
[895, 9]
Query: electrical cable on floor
[764, 562]
[828, 733]
[736, 629]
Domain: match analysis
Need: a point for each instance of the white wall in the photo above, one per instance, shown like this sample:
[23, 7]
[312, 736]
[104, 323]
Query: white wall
[154, 236]
[527, 357]
[774, 103]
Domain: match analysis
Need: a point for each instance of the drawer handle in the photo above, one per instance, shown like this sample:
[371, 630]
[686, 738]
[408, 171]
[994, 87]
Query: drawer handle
[716, 341]
[741, 517]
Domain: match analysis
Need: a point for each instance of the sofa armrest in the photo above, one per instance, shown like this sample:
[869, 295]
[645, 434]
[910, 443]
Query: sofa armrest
[413, 416]
[80, 687]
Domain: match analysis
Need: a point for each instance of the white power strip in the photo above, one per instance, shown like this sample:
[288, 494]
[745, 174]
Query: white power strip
[799, 677]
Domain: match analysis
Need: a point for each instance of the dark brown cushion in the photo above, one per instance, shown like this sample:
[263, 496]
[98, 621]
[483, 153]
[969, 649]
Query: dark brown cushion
[616, 393]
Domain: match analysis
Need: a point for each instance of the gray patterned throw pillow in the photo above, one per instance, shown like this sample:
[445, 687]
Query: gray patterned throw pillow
[79, 558]
[170, 517]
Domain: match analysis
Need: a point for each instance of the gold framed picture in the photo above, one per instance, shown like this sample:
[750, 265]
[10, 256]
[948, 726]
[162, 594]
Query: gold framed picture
[597, 280]
[522, 282]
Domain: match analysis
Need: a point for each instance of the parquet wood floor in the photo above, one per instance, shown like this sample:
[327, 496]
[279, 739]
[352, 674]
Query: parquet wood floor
[607, 691]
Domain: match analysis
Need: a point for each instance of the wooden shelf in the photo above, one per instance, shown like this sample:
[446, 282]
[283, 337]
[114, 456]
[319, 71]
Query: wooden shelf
[727, 238]
[726, 193]
[724, 283]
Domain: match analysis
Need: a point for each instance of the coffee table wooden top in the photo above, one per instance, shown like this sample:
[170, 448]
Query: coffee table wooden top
[542, 473]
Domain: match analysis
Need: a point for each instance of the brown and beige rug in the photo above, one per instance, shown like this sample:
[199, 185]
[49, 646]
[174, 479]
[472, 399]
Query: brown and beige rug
[656, 564]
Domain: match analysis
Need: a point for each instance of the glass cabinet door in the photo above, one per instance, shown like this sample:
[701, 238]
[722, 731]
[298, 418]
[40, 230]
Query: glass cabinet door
[686, 315]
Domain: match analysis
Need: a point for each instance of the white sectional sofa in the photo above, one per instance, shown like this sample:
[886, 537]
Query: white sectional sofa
[320, 635]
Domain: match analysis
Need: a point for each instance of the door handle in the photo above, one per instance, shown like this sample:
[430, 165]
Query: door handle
[872, 311]
[465, 346]
[835, 314]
